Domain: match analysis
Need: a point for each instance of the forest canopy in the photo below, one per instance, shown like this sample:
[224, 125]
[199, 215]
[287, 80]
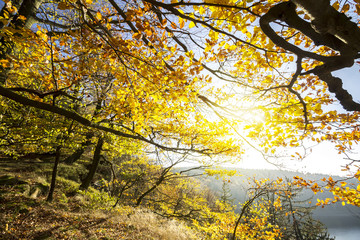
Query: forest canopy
[200, 78]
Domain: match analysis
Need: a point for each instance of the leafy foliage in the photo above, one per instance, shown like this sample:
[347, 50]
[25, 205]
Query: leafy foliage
[142, 77]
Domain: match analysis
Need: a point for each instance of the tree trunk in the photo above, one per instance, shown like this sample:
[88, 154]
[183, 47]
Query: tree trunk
[95, 163]
[78, 152]
[75, 156]
[54, 174]
[139, 200]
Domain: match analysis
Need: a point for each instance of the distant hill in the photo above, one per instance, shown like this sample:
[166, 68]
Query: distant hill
[333, 216]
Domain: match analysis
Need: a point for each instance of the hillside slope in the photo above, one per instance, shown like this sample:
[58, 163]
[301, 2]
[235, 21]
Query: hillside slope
[24, 213]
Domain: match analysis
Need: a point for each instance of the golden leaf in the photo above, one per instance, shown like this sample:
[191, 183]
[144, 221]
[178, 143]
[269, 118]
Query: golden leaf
[191, 24]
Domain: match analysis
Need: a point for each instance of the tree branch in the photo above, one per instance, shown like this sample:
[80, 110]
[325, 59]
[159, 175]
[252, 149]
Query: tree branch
[74, 116]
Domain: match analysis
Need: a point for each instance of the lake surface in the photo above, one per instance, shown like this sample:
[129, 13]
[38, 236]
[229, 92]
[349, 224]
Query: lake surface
[345, 233]
[341, 222]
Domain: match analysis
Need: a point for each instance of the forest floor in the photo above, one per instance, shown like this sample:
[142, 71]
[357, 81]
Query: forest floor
[25, 213]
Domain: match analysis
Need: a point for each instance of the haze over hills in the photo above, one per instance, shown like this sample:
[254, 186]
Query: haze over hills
[334, 216]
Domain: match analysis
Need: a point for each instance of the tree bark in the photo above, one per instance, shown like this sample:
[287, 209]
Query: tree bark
[157, 183]
[78, 152]
[328, 28]
[95, 163]
[325, 19]
[54, 174]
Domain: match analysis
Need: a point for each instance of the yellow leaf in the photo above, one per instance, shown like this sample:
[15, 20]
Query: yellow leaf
[22, 18]
[42, 35]
[137, 35]
[148, 32]
[5, 64]
[191, 25]
[98, 16]
[345, 8]
[357, 9]
[182, 22]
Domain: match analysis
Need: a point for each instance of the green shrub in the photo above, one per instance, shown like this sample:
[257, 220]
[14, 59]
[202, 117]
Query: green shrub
[97, 200]
[68, 187]
[72, 172]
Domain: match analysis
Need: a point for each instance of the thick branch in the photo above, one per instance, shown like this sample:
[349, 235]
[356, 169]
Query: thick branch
[277, 12]
[42, 95]
[324, 30]
[76, 117]
[335, 86]
[325, 19]
[292, 19]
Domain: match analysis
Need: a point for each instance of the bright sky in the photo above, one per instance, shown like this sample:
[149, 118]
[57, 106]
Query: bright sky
[324, 158]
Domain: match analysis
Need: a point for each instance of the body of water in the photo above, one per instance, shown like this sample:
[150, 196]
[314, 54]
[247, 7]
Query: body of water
[345, 233]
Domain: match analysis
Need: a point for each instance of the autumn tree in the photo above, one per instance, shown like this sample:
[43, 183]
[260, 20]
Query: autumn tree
[63, 58]
[295, 216]
[73, 79]
[278, 205]
[146, 70]
[226, 196]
